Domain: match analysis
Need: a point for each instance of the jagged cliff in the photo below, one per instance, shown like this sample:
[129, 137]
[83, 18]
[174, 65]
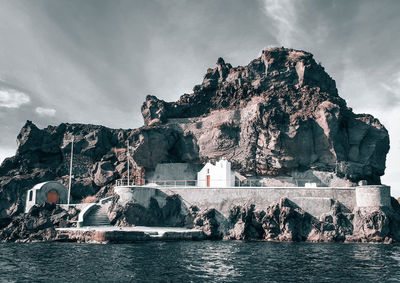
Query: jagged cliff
[278, 115]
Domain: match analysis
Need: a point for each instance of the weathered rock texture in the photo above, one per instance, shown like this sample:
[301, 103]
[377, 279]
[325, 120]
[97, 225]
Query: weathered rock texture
[279, 115]
[155, 214]
[285, 221]
[39, 224]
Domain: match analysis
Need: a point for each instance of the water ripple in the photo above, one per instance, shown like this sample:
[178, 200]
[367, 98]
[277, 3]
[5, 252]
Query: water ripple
[220, 261]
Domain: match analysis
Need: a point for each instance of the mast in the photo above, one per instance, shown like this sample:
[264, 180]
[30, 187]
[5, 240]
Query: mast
[127, 158]
[70, 170]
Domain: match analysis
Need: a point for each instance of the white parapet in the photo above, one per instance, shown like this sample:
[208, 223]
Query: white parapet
[373, 196]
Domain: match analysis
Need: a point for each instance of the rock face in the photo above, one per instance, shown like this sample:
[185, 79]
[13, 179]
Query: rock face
[286, 222]
[212, 222]
[39, 224]
[155, 214]
[279, 115]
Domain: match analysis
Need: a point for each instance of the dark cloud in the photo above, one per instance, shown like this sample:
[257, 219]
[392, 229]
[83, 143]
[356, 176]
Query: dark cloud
[72, 55]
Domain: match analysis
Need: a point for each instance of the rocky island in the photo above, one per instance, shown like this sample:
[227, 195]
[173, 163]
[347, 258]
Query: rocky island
[279, 118]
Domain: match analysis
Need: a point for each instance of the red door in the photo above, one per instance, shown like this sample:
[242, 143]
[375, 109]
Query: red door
[52, 197]
[208, 180]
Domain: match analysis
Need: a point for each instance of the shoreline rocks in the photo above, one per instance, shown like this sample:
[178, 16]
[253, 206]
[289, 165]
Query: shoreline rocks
[38, 224]
[286, 222]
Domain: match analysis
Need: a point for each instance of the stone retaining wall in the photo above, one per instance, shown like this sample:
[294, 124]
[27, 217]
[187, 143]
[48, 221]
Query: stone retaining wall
[316, 201]
[371, 196]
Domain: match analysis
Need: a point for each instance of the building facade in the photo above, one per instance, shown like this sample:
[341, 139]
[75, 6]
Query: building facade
[219, 175]
[51, 192]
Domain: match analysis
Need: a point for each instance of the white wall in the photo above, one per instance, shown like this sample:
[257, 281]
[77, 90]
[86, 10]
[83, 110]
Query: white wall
[373, 196]
[40, 193]
[221, 175]
[316, 201]
[31, 203]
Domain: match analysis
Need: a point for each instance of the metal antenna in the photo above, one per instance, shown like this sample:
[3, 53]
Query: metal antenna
[70, 170]
[127, 159]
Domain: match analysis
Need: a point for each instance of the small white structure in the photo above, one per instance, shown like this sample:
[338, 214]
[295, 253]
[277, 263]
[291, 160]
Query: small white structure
[219, 175]
[52, 192]
[310, 185]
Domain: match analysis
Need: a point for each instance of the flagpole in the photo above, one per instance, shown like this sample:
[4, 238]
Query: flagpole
[127, 159]
[70, 170]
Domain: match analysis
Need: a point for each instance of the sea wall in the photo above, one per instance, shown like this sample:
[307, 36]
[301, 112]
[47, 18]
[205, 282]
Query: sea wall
[373, 196]
[315, 201]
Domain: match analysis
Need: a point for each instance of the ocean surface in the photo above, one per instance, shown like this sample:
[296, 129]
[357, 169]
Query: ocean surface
[203, 261]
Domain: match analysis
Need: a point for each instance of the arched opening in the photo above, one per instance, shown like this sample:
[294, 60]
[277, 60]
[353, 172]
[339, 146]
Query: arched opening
[52, 197]
[30, 195]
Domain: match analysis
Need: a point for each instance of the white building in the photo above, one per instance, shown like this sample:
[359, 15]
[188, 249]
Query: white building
[219, 175]
[51, 192]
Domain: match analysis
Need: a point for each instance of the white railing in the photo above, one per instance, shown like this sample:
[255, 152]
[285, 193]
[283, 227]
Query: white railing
[219, 182]
[173, 183]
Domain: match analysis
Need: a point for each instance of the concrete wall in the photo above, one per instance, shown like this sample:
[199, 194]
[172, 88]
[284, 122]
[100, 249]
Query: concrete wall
[372, 196]
[142, 196]
[315, 201]
[173, 171]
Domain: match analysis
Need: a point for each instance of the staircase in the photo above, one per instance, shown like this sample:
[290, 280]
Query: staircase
[98, 216]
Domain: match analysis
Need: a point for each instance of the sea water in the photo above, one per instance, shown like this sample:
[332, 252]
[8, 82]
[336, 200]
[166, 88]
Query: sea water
[203, 261]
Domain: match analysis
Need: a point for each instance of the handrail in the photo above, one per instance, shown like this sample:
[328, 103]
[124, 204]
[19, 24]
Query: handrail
[237, 183]
[104, 200]
[84, 212]
[251, 184]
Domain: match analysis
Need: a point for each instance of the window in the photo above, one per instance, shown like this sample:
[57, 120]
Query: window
[208, 171]
[30, 195]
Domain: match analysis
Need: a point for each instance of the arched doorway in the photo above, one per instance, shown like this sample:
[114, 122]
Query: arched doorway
[52, 197]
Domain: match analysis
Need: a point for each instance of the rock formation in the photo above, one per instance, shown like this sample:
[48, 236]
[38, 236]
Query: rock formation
[38, 224]
[286, 222]
[155, 214]
[279, 115]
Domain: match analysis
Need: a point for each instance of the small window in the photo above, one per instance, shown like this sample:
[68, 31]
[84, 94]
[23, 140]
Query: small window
[208, 171]
[30, 195]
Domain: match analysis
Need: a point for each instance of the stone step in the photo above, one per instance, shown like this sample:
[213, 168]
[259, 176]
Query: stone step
[98, 217]
[95, 220]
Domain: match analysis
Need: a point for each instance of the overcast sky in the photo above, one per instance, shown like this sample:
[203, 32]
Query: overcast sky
[95, 61]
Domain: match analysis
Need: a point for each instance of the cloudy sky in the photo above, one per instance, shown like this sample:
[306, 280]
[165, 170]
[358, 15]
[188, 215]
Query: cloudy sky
[94, 61]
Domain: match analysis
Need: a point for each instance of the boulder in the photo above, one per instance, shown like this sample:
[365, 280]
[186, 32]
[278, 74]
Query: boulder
[247, 223]
[371, 225]
[168, 212]
[211, 222]
[38, 224]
